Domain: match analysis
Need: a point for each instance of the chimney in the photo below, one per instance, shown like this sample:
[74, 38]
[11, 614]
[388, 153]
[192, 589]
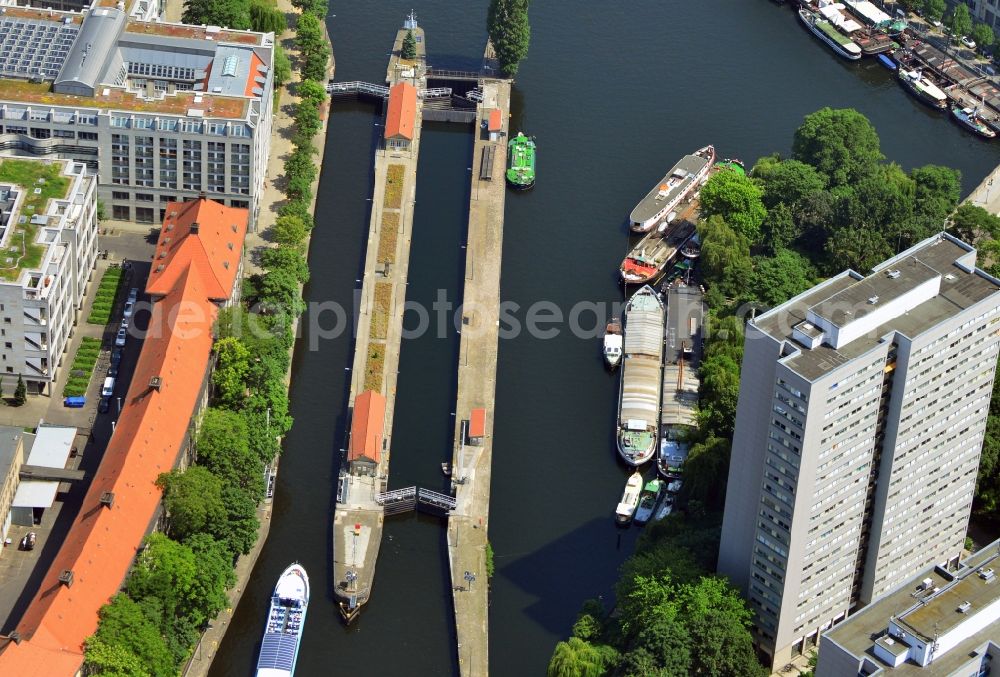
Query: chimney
[107, 499]
[202, 195]
[155, 383]
[194, 228]
[66, 577]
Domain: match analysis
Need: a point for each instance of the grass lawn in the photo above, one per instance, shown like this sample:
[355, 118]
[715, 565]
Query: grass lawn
[380, 311]
[387, 237]
[393, 187]
[107, 292]
[22, 251]
[82, 369]
[373, 367]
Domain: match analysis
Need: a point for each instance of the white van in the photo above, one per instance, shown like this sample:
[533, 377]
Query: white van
[108, 389]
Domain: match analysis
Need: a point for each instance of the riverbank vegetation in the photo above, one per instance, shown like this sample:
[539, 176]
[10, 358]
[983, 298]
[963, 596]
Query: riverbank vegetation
[835, 203]
[510, 33]
[180, 578]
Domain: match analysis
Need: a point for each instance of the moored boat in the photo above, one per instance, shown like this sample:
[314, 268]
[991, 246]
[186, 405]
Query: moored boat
[649, 499]
[521, 162]
[670, 460]
[647, 261]
[887, 61]
[666, 507]
[613, 343]
[731, 164]
[970, 119]
[683, 178]
[279, 649]
[917, 84]
[630, 499]
[825, 31]
[641, 380]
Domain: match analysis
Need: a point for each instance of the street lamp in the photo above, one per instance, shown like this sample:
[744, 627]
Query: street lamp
[119, 406]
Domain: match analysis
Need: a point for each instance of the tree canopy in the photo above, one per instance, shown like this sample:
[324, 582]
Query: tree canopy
[737, 199]
[934, 9]
[840, 143]
[510, 32]
[960, 20]
[409, 49]
[228, 13]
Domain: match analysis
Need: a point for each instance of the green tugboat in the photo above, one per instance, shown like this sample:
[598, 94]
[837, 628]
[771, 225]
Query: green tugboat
[521, 162]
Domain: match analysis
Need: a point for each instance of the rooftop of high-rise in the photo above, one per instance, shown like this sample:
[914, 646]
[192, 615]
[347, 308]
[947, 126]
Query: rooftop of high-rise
[848, 315]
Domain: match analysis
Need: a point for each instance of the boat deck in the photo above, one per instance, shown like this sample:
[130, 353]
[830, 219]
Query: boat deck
[685, 318]
[678, 180]
[654, 251]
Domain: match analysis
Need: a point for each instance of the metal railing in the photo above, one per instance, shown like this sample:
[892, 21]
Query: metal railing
[435, 93]
[447, 74]
[357, 87]
[436, 500]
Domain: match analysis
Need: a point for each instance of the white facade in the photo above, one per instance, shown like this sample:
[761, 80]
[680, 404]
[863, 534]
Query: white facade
[863, 404]
[39, 308]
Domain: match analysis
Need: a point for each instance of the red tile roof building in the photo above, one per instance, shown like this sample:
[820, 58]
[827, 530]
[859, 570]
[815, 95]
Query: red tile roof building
[367, 430]
[401, 114]
[122, 503]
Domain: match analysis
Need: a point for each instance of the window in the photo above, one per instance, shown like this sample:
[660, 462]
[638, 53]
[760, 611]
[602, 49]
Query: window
[144, 214]
[119, 121]
[64, 133]
[10, 370]
[167, 198]
[40, 133]
[242, 204]
[16, 129]
[87, 136]
[119, 195]
[217, 128]
[121, 213]
[8, 344]
[143, 197]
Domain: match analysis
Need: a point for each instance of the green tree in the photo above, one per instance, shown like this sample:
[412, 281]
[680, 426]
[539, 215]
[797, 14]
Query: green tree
[241, 524]
[786, 181]
[982, 34]
[279, 289]
[193, 502]
[960, 21]
[127, 630]
[971, 223]
[578, 658]
[111, 660]
[266, 18]
[287, 258]
[227, 13]
[224, 449]
[718, 621]
[725, 256]
[282, 66]
[20, 392]
[289, 230]
[938, 190]
[988, 480]
[860, 249]
[934, 9]
[311, 91]
[841, 143]
[779, 229]
[409, 50]
[313, 47]
[782, 276]
[510, 32]
[737, 199]
[230, 375]
[719, 393]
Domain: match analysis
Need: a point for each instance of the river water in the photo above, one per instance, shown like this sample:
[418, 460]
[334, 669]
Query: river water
[615, 93]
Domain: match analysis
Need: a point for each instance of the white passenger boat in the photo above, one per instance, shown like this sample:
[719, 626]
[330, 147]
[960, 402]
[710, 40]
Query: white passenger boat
[280, 647]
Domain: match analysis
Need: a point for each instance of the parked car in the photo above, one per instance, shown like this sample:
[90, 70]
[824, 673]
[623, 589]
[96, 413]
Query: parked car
[116, 356]
[133, 294]
[129, 309]
[124, 324]
[108, 389]
[968, 42]
[104, 405]
[113, 370]
[120, 337]
[28, 542]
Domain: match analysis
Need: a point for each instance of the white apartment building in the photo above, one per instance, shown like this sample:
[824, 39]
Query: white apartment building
[160, 112]
[48, 247]
[863, 403]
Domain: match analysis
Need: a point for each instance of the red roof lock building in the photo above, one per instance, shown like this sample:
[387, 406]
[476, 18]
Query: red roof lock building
[122, 504]
[367, 433]
[477, 426]
[401, 116]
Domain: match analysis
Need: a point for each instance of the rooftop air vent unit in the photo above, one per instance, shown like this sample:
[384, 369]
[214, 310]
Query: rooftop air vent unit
[872, 300]
[926, 584]
[987, 575]
[893, 274]
[66, 577]
[107, 498]
[964, 607]
[160, 268]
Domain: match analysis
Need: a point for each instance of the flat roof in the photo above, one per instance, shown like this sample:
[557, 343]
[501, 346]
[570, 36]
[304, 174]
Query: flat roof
[9, 437]
[52, 446]
[962, 286]
[35, 494]
[909, 607]
[21, 92]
